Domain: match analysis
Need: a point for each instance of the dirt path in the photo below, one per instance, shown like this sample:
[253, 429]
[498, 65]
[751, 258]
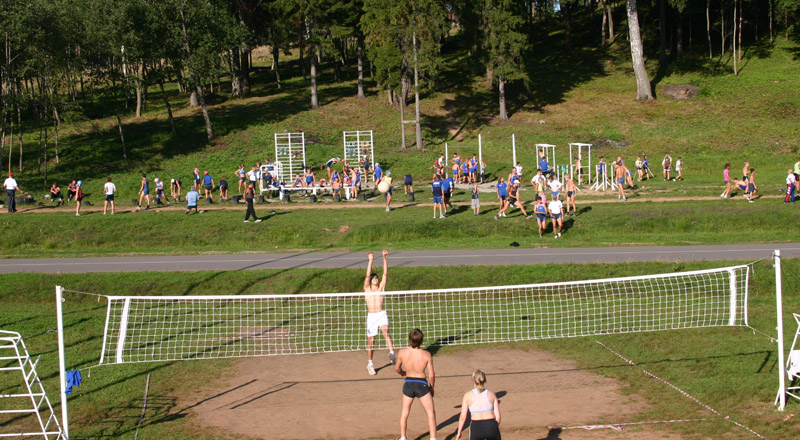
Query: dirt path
[328, 204]
[331, 396]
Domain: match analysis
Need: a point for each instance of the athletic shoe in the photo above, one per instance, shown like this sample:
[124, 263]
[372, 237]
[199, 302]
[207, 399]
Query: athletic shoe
[392, 357]
[540, 236]
[625, 199]
[104, 213]
[78, 215]
[722, 195]
[504, 214]
[441, 215]
[496, 217]
[751, 200]
[147, 208]
[258, 220]
[559, 234]
[387, 209]
[555, 236]
[247, 221]
[138, 208]
[371, 369]
[528, 217]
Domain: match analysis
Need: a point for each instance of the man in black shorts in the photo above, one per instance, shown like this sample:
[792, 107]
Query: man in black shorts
[412, 364]
[408, 185]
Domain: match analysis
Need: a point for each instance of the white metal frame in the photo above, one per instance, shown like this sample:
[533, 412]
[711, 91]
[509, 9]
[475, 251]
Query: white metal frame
[780, 399]
[357, 145]
[447, 147]
[21, 362]
[549, 151]
[275, 169]
[579, 155]
[602, 182]
[290, 151]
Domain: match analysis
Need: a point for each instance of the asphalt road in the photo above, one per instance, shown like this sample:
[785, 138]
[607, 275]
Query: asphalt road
[477, 257]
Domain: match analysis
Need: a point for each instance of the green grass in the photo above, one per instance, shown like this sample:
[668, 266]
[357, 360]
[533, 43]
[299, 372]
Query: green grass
[409, 228]
[730, 369]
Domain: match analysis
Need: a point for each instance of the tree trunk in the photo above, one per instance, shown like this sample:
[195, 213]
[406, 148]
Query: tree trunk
[45, 153]
[417, 122]
[771, 18]
[603, 26]
[662, 33]
[122, 139]
[565, 12]
[275, 56]
[739, 45]
[390, 96]
[193, 101]
[236, 74]
[139, 83]
[166, 104]
[501, 88]
[708, 29]
[722, 31]
[21, 133]
[313, 74]
[202, 99]
[403, 101]
[3, 144]
[245, 59]
[360, 50]
[679, 36]
[611, 33]
[489, 75]
[644, 91]
[56, 123]
[39, 158]
[302, 63]
[733, 40]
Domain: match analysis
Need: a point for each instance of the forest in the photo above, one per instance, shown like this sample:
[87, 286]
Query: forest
[76, 60]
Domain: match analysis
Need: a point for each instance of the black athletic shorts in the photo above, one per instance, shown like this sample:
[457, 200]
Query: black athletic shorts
[413, 387]
[408, 180]
[110, 197]
[484, 430]
[512, 201]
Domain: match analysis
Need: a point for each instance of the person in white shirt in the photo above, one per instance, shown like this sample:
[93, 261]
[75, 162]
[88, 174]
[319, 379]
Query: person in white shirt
[679, 169]
[791, 183]
[555, 187]
[109, 189]
[555, 207]
[519, 170]
[252, 176]
[11, 191]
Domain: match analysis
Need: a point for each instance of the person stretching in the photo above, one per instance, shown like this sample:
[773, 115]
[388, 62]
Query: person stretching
[377, 319]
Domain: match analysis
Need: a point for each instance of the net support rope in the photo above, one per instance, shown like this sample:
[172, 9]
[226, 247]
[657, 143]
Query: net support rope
[167, 328]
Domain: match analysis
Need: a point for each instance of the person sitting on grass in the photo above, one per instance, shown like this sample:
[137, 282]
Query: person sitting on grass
[513, 200]
[72, 189]
[55, 194]
[159, 191]
[191, 199]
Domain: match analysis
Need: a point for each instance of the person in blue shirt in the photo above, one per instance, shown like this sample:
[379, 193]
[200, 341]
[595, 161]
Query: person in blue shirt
[502, 194]
[159, 191]
[144, 192]
[329, 164]
[544, 166]
[208, 185]
[436, 187]
[378, 173]
[191, 199]
[447, 192]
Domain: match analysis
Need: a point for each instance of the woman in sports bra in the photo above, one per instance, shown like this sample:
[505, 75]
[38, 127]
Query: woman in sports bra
[484, 410]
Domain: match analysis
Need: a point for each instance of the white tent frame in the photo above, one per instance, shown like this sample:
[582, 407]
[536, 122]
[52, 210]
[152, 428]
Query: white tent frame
[289, 149]
[359, 141]
[579, 155]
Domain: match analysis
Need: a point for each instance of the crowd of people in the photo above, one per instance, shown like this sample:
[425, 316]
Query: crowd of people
[341, 177]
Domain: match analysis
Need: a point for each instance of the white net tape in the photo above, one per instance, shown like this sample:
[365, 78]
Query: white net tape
[153, 328]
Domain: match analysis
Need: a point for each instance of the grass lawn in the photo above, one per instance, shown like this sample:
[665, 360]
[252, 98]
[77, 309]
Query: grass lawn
[409, 228]
[731, 369]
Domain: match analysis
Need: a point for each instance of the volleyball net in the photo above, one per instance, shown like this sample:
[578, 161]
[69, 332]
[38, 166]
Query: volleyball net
[168, 328]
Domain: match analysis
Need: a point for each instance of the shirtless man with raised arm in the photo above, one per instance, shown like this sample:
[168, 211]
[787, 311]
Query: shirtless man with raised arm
[376, 317]
[412, 363]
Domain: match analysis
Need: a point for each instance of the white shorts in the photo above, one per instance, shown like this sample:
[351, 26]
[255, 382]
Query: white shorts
[375, 321]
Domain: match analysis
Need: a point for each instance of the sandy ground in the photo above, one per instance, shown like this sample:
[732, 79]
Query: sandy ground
[331, 396]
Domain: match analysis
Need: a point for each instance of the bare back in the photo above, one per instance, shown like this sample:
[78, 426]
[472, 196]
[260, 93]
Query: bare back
[414, 361]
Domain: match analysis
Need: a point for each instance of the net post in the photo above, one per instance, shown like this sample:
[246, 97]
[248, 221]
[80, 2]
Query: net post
[779, 306]
[733, 297]
[513, 150]
[446, 160]
[62, 371]
[480, 152]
